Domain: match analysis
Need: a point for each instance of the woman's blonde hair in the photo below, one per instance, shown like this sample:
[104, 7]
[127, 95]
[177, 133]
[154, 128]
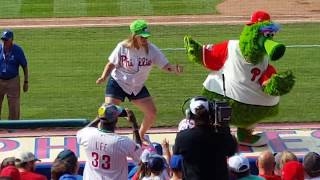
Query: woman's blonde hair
[285, 157]
[132, 42]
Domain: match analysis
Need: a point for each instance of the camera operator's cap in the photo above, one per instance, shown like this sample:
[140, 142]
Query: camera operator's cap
[238, 164]
[259, 16]
[25, 156]
[108, 113]
[196, 103]
[7, 34]
[311, 164]
[140, 27]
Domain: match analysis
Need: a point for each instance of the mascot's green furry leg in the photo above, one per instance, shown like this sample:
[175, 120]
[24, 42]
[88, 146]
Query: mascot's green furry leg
[244, 117]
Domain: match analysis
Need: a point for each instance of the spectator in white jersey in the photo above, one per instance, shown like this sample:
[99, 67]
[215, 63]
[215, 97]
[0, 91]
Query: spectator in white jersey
[128, 67]
[107, 151]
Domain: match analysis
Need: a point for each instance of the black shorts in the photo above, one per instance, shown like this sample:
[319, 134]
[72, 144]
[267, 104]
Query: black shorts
[115, 91]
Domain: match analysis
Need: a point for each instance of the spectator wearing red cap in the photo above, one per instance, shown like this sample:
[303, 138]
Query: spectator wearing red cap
[266, 164]
[311, 164]
[282, 158]
[26, 164]
[11, 172]
[293, 170]
[7, 161]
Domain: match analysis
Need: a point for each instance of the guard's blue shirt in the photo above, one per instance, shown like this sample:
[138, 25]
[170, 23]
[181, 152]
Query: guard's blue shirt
[9, 64]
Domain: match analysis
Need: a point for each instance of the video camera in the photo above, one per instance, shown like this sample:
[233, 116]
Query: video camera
[219, 112]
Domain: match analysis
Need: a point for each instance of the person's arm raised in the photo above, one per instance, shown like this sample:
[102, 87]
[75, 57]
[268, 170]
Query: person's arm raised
[135, 127]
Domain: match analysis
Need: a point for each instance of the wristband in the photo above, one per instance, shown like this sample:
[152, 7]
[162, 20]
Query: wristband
[26, 81]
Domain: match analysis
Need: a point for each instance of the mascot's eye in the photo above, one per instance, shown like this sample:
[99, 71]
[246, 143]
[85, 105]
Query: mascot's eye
[268, 34]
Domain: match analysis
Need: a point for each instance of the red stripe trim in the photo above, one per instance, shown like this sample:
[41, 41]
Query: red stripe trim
[267, 74]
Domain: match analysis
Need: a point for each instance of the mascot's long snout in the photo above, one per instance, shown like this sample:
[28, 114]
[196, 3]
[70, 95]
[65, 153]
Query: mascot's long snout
[274, 49]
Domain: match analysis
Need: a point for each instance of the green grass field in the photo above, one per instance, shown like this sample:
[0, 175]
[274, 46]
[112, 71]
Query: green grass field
[64, 64]
[76, 8]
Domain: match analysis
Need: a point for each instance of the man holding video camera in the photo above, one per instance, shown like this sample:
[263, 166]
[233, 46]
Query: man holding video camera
[107, 151]
[205, 147]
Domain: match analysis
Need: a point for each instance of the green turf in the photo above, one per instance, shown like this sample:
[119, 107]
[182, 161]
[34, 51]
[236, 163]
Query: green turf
[76, 8]
[64, 64]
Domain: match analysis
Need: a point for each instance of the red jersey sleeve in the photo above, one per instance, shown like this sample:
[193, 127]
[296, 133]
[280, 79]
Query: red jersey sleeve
[214, 56]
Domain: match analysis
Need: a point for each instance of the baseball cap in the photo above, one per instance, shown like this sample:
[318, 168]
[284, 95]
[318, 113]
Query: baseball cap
[196, 103]
[140, 27]
[176, 162]
[10, 171]
[293, 170]
[108, 113]
[259, 16]
[65, 154]
[25, 156]
[156, 163]
[7, 34]
[158, 148]
[311, 164]
[8, 161]
[146, 153]
[238, 164]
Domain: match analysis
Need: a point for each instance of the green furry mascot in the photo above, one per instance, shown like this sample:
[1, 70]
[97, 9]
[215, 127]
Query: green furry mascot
[252, 86]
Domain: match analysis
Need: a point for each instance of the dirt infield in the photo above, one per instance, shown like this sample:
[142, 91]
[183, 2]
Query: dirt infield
[231, 12]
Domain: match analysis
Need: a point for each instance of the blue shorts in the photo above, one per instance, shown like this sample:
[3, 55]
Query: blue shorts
[115, 91]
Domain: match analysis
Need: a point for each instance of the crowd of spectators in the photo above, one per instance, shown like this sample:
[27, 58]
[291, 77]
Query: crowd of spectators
[199, 152]
[153, 164]
[23, 166]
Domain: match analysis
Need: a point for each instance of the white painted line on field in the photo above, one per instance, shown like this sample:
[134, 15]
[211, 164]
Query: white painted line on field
[289, 46]
[304, 46]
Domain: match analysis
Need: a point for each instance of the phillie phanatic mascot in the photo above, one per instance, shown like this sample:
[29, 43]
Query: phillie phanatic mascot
[240, 70]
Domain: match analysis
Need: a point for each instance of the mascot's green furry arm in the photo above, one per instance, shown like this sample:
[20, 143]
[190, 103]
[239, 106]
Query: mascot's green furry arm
[252, 85]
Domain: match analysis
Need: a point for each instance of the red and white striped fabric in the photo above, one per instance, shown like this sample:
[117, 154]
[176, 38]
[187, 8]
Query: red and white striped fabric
[106, 154]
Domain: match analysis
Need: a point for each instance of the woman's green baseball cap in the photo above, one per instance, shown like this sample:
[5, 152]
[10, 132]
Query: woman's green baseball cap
[140, 27]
